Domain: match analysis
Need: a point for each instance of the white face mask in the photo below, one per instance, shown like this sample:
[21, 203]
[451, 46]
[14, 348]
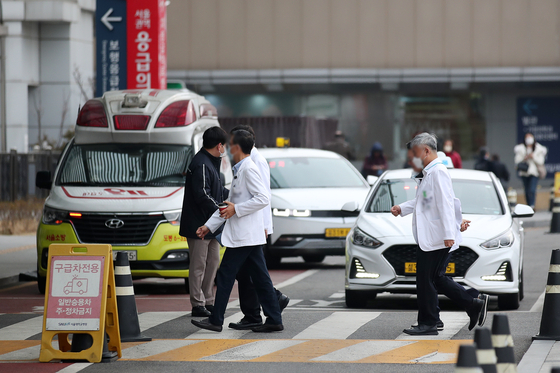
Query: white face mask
[447, 148]
[530, 140]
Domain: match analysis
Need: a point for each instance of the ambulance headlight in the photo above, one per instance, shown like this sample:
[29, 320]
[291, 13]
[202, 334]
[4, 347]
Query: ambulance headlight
[53, 217]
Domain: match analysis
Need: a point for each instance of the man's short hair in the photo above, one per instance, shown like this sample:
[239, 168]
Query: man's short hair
[424, 138]
[213, 136]
[245, 141]
[244, 127]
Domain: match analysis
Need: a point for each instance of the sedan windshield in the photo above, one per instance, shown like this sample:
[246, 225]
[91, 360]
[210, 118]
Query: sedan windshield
[310, 172]
[125, 165]
[477, 197]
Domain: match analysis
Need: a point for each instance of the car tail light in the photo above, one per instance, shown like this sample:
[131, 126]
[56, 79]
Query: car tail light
[92, 115]
[131, 122]
[180, 113]
[208, 111]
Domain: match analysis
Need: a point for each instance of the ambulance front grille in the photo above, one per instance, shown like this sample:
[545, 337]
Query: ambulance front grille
[136, 230]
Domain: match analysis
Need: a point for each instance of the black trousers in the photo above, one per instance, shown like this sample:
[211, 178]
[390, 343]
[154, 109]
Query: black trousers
[248, 299]
[431, 279]
[232, 262]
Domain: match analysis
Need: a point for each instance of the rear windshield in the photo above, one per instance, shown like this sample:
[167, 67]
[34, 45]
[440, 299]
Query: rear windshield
[477, 197]
[125, 165]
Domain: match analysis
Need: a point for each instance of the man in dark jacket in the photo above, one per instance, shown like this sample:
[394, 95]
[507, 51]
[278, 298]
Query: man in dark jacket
[203, 192]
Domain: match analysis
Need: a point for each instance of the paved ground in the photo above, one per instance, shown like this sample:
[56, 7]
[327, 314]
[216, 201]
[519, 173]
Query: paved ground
[321, 334]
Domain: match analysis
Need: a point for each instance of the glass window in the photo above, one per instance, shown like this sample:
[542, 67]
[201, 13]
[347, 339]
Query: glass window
[125, 165]
[477, 197]
[309, 172]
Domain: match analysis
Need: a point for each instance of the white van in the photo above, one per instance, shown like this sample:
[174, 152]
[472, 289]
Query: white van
[120, 180]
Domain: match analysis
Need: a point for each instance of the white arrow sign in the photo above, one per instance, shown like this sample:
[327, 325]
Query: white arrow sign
[107, 19]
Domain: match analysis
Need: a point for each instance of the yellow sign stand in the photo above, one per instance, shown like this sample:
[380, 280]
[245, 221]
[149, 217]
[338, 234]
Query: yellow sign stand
[80, 299]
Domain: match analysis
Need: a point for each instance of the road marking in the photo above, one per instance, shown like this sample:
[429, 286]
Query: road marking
[155, 347]
[538, 306]
[149, 320]
[252, 350]
[16, 249]
[454, 322]
[297, 278]
[338, 325]
[22, 330]
[362, 350]
[75, 368]
[535, 356]
[227, 333]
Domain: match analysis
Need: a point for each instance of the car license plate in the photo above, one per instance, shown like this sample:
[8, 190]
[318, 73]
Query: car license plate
[410, 267]
[131, 254]
[336, 232]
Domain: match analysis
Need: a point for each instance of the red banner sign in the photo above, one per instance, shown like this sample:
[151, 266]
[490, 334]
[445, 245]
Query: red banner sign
[146, 44]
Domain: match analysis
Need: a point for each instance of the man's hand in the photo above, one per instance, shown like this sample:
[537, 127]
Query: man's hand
[229, 211]
[396, 210]
[202, 231]
[449, 243]
[465, 224]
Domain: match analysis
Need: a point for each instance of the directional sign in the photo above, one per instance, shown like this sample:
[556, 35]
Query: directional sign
[110, 17]
[541, 117]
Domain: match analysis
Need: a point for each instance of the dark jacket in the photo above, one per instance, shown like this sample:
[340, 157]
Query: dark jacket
[203, 192]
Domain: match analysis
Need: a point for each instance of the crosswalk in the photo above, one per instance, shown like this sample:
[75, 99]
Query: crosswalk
[314, 337]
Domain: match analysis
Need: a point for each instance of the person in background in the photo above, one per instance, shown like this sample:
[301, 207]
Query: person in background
[483, 163]
[341, 146]
[204, 191]
[500, 170]
[529, 160]
[451, 153]
[375, 164]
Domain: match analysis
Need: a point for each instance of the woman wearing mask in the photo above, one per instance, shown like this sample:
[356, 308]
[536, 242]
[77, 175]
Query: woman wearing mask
[529, 161]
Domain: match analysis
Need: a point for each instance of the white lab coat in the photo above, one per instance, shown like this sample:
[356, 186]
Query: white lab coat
[264, 171]
[250, 196]
[437, 212]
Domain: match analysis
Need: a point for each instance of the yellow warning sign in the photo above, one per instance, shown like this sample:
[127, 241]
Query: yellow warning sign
[80, 299]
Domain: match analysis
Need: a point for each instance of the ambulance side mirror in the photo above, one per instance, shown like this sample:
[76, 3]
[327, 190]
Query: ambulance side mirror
[43, 180]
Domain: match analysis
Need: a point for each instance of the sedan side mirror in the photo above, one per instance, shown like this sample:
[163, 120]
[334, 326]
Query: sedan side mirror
[350, 206]
[522, 211]
[43, 180]
[371, 179]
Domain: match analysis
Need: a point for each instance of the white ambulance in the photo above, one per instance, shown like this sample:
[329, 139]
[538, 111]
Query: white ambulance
[120, 180]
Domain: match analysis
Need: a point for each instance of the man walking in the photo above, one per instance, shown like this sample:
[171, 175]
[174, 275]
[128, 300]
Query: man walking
[244, 237]
[203, 192]
[248, 299]
[437, 225]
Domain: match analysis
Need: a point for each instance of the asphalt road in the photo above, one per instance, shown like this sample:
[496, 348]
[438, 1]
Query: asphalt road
[321, 334]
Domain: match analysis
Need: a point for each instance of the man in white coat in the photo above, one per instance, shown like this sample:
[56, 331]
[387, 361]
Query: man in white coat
[437, 225]
[244, 236]
[248, 300]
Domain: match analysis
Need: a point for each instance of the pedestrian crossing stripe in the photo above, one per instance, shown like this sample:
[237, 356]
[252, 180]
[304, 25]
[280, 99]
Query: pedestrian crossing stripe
[269, 350]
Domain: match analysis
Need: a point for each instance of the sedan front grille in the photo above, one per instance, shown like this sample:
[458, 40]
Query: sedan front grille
[137, 229]
[398, 255]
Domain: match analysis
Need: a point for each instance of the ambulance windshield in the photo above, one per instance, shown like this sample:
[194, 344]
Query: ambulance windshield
[153, 165]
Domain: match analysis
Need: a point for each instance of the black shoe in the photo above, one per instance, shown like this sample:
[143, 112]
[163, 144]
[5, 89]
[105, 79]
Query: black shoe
[245, 324]
[421, 330]
[439, 325]
[205, 324]
[484, 312]
[200, 311]
[210, 308]
[475, 311]
[268, 328]
[283, 301]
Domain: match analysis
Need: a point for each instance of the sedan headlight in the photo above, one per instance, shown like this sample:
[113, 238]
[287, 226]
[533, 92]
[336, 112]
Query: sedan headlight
[291, 212]
[54, 217]
[362, 239]
[504, 240]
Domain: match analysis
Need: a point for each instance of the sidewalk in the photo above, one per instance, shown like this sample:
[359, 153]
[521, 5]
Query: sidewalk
[17, 255]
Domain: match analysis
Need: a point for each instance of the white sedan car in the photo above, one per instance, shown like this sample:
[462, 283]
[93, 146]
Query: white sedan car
[381, 251]
[316, 197]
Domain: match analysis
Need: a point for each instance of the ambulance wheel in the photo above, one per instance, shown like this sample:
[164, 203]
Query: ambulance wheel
[187, 285]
